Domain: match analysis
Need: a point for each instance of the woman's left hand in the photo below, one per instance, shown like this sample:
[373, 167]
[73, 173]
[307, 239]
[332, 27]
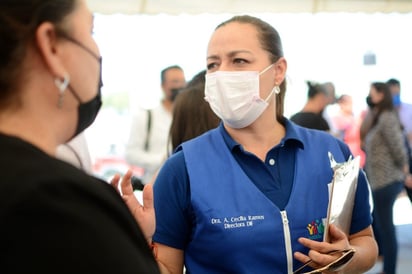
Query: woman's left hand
[320, 252]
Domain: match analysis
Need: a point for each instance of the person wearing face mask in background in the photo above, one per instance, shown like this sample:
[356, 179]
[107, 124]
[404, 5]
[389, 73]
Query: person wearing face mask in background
[242, 197]
[405, 115]
[191, 116]
[54, 217]
[404, 109]
[386, 166]
[147, 143]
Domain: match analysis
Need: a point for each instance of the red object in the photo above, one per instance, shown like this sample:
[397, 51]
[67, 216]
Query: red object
[107, 167]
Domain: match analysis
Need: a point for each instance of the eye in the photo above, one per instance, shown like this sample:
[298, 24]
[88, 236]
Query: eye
[240, 61]
[211, 66]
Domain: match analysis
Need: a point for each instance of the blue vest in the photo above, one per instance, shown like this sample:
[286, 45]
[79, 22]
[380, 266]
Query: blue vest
[236, 228]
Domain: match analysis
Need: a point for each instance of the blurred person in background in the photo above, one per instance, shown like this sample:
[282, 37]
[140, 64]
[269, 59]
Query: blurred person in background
[311, 114]
[347, 126]
[386, 166]
[331, 108]
[54, 217]
[192, 115]
[147, 144]
[404, 109]
[405, 115]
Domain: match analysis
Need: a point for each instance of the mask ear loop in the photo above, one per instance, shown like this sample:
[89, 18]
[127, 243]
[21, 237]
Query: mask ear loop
[276, 89]
[61, 86]
[266, 69]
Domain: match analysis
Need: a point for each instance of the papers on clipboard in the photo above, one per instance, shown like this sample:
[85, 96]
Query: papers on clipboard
[342, 192]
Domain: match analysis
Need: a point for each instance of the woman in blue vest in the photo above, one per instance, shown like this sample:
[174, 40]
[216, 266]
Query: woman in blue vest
[250, 196]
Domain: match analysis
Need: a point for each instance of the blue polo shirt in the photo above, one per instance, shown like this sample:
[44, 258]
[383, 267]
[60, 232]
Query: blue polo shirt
[274, 177]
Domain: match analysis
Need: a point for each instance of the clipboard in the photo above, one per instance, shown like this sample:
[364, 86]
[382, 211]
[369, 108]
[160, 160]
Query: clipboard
[342, 191]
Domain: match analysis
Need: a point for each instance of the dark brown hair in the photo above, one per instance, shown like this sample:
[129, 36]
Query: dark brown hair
[192, 115]
[19, 20]
[270, 41]
[393, 82]
[386, 103]
[315, 89]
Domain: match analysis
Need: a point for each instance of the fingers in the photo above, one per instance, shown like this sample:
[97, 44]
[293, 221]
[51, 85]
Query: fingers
[126, 188]
[339, 241]
[314, 259]
[126, 184]
[115, 182]
[317, 251]
[322, 253]
[148, 202]
[301, 257]
[322, 247]
[336, 234]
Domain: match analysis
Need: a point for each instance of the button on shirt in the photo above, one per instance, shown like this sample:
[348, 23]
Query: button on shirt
[274, 177]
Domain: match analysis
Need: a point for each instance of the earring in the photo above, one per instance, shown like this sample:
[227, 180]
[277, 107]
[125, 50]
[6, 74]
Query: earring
[61, 86]
[277, 89]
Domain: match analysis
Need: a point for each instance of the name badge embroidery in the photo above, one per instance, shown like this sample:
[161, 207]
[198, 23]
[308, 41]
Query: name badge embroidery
[235, 222]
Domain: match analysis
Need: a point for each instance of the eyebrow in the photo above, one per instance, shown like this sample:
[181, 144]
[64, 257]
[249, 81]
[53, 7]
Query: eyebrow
[230, 54]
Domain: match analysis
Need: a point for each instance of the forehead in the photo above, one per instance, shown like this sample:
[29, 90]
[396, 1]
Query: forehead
[232, 36]
[394, 87]
[174, 75]
[346, 99]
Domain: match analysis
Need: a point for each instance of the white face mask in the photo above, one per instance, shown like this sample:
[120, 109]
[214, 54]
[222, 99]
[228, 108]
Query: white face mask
[234, 96]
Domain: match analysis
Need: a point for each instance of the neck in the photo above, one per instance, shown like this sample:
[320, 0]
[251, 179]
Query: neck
[312, 106]
[259, 137]
[29, 129]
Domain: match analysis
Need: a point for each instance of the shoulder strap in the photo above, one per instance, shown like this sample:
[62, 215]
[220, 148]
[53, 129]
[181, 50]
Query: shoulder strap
[149, 127]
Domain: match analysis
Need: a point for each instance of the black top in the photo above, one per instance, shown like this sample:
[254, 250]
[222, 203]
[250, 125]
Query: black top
[310, 120]
[54, 218]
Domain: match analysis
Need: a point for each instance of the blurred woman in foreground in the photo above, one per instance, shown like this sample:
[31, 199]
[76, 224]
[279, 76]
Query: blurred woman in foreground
[54, 218]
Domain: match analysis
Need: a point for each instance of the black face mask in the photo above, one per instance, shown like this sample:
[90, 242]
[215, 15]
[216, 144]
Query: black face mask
[174, 92]
[87, 111]
[369, 102]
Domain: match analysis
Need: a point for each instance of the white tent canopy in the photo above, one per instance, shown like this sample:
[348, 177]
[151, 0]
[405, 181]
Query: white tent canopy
[324, 40]
[246, 6]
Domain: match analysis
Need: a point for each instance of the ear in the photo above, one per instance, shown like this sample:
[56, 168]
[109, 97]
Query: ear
[280, 70]
[49, 48]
